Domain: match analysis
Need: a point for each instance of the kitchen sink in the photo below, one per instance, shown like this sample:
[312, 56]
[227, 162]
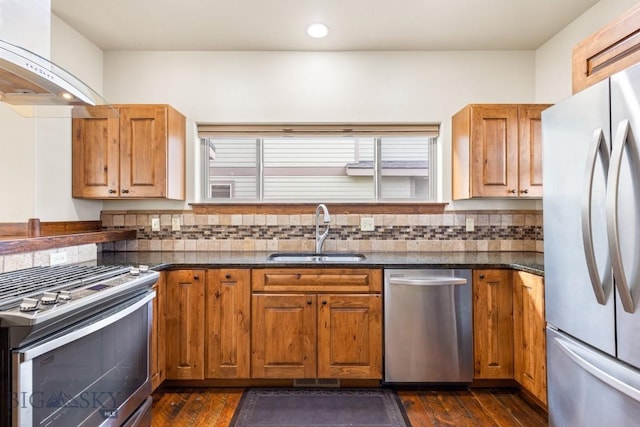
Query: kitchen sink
[313, 257]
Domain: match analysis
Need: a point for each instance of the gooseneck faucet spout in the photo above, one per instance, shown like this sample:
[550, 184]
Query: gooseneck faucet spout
[326, 219]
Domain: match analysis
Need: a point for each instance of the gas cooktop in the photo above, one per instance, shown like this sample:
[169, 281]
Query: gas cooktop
[38, 294]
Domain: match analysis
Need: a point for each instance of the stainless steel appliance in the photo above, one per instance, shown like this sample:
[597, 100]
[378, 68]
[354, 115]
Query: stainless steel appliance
[592, 254]
[428, 336]
[74, 346]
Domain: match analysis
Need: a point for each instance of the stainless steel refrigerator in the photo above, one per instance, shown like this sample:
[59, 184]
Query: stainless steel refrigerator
[591, 206]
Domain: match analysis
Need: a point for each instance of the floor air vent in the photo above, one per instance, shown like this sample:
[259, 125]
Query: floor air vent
[316, 382]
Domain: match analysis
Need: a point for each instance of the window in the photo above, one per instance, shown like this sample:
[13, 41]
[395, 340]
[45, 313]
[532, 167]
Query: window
[314, 164]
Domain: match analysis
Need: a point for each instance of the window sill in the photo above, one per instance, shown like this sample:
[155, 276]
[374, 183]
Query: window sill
[305, 208]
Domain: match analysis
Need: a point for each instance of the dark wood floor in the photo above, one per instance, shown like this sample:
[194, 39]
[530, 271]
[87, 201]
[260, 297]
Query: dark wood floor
[426, 408]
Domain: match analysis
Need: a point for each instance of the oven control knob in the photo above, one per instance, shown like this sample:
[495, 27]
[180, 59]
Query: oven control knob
[29, 304]
[143, 268]
[64, 295]
[49, 298]
[134, 271]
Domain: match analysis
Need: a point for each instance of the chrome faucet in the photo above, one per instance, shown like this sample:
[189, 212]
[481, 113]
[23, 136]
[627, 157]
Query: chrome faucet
[326, 219]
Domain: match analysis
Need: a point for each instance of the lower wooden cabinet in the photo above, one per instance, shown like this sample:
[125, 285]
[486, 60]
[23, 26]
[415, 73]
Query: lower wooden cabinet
[184, 324]
[509, 329]
[207, 324]
[228, 298]
[529, 334]
[283, 336]
[350, 336]
[317, 336]
[493, 324]
[316, 323]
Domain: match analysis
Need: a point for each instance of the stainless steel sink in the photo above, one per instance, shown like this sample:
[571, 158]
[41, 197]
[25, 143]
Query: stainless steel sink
[307, 257]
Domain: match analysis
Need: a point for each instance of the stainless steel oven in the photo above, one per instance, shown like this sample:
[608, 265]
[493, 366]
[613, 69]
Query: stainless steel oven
[83, 358]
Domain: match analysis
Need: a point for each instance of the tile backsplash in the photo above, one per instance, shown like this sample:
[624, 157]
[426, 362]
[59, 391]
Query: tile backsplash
[73, 254]
[492, 231]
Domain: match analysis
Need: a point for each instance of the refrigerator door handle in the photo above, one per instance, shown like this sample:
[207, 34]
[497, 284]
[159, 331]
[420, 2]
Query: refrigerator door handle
[607, 371]
[623, 136]
[598, 146]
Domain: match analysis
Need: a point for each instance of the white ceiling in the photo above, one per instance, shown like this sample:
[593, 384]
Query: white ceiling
[355, 24]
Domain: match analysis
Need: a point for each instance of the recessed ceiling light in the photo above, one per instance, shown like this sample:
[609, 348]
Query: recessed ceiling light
[317, 30]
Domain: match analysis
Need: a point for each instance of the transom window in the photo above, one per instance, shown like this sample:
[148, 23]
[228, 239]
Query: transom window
[319, 165]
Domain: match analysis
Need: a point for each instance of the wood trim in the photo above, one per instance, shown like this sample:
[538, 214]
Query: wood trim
[317, 129]
[22, 244]
[613, 48]
[308, 208]
[35, 228]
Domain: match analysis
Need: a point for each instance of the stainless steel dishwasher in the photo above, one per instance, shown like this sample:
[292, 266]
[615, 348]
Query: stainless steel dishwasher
[428, 331]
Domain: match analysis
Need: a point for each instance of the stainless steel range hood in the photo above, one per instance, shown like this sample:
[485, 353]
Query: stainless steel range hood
[29, 79]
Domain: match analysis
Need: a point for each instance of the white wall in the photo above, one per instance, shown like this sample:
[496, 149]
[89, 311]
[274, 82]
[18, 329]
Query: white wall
[292, 87]
[553, 59]
[275, 86]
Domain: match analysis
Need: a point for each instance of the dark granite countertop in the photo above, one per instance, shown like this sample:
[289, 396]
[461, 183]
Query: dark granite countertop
[532, 262]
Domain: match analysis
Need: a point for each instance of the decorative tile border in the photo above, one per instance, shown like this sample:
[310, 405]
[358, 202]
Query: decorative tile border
[493, 231]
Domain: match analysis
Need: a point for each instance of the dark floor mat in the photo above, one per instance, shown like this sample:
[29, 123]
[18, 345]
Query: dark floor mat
[320, 408]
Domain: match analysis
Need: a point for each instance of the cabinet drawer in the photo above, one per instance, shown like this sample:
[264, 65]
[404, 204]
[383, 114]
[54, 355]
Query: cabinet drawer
[316, 280]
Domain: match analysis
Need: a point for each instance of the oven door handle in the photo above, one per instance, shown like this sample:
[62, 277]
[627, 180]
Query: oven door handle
[107, 318]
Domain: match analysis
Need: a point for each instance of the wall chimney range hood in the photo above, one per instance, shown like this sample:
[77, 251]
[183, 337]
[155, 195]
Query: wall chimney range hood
[31, 80]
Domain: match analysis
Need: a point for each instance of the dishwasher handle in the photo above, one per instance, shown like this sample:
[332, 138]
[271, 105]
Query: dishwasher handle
[427, 281]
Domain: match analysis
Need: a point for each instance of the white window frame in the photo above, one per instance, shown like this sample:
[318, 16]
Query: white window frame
[260, 132]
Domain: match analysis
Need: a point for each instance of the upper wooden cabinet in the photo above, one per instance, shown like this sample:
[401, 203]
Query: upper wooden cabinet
[129, 151]
[613, 48]
[497, 151]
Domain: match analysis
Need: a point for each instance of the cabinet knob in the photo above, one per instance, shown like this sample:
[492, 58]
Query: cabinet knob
[112, 191]
[125, 191]
[309, 302]
[481, 276]
[227, 276]
[525, 191]
[196, 277]
[324, 302]
[512, 191]
[217, 294]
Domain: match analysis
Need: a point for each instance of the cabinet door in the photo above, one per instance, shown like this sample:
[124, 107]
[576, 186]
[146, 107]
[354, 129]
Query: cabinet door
[185, 324]
[529, 333]
[143, 151]
[493, 324]
[350, 336]
[227, 332]
[157, 363]
[530, 126]
[494, 140]
[283, 336]
[95, 153]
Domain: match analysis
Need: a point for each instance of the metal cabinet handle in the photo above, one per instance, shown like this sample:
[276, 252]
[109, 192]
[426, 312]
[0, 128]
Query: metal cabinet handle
[512, 191]
[217, 294]
[112, 191]
[427, 281]
[125, 191]
[600, 147]
[623, 137]
[525, 191]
